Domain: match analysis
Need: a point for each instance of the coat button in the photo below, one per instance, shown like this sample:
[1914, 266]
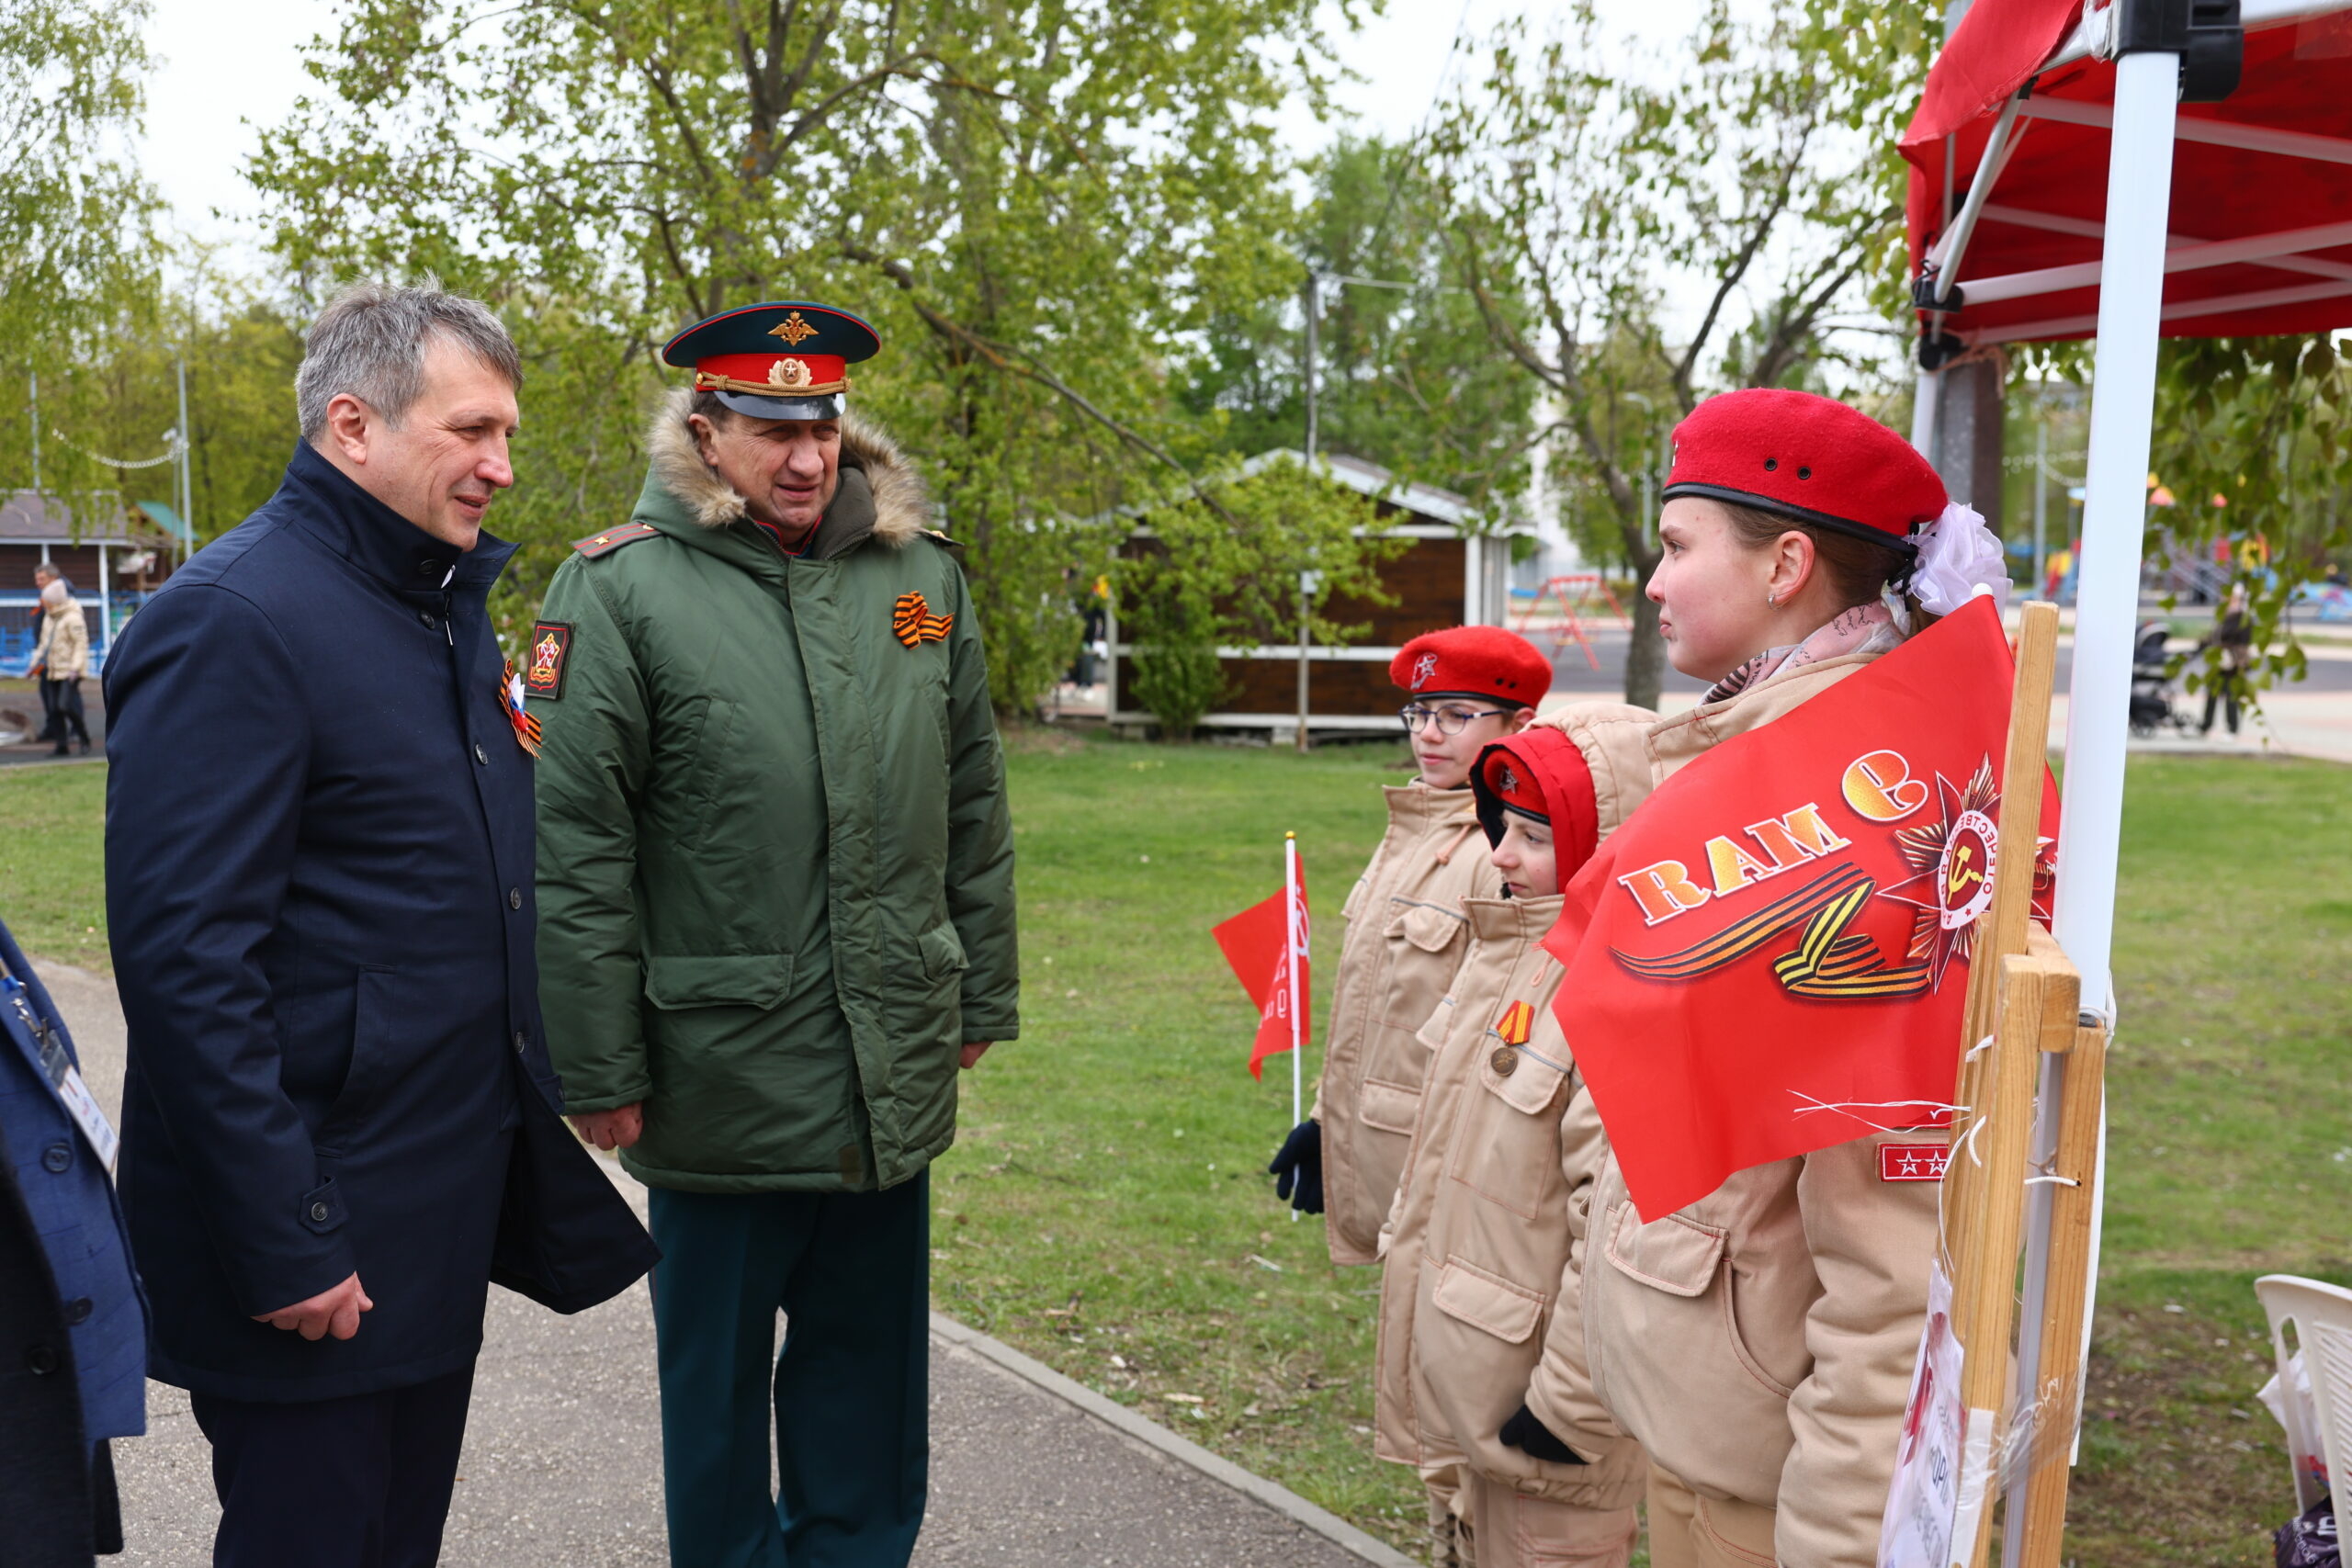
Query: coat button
[521, 1045]
[514, 897]
[57, 1157]
[319, 1213]
[77, 1312]
[41, 1360]
[1505, 1061]
[424, 617]
[480, 755]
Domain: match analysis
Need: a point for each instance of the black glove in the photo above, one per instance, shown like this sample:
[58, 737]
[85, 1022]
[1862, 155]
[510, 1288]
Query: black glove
[1533, 1438]
[1297, 1169]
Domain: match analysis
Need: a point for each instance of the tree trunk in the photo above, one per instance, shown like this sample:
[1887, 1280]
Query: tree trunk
[1645, 657]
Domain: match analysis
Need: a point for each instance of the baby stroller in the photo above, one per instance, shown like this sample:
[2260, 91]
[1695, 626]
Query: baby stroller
[2152, 704]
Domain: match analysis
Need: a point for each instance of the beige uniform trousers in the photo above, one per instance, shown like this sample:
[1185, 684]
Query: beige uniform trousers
[1690, 1531]
[1504, 1529]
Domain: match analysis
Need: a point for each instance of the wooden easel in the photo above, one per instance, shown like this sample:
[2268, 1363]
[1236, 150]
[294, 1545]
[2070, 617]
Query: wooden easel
[2024, 1000]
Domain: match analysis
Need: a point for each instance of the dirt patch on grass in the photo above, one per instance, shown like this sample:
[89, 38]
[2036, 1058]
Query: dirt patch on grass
[2181, 1465]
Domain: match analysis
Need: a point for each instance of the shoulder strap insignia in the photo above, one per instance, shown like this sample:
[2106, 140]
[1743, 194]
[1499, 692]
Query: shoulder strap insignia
[611, 540]
[955, 547]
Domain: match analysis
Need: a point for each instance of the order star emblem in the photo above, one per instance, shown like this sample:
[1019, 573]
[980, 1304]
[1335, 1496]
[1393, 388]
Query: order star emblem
[1953, 859]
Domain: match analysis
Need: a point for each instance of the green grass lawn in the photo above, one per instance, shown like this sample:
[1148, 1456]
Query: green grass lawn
[1104, 1208]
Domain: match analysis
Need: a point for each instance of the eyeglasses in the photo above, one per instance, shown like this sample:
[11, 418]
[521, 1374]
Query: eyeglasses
[1449, 720]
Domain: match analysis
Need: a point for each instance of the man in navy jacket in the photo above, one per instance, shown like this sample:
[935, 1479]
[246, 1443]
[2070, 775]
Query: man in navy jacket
[72, 1325]
[319, 890]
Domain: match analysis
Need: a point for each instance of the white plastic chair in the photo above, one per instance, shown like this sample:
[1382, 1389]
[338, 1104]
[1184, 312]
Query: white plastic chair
[2322, 1316]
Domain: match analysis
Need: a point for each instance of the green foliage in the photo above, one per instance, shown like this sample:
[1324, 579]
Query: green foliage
[1407, 376]
[76, 220]
[1587, 182]
[117, 398]
[1222, 567]
[1037, 206]
[2266, 424]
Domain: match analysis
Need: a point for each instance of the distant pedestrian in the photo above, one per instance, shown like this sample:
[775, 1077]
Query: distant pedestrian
[62, 659]
[775, 866]
[72, 1323]
[2234, 636]
[340, 1121]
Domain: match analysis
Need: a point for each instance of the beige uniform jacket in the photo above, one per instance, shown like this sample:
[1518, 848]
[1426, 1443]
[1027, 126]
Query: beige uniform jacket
[1758, 1343]
[64, 650]
[1405, 938]
[1476, 1280]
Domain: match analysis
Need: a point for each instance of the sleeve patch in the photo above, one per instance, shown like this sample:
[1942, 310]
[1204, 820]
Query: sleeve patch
[550, 646]
[1913, 1162]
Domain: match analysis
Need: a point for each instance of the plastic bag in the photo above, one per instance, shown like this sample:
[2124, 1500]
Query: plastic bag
[2309, 1540]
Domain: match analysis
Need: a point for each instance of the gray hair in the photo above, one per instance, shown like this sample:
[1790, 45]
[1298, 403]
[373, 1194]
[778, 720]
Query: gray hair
[370, 342]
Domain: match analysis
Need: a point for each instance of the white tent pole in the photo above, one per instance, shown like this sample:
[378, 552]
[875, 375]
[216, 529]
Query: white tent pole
[2139, 201]
[1925, 392]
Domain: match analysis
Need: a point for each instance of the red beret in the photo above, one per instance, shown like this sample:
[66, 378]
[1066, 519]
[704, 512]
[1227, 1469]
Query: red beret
[1541, 772]
[1473, 661]
[1809, 458]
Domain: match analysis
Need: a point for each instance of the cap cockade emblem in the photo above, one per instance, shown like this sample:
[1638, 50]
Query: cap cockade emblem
[911, 621]
[1424, 670]
[792, 330]
[1505, 782]
[790, 374]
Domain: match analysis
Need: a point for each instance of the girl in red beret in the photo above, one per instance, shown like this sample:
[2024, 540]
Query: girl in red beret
[1477, 1243]
[1462, 690]
[1758, 1343]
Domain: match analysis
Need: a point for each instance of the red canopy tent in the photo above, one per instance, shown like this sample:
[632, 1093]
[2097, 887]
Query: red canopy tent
[2261, 239]
[2062, 188]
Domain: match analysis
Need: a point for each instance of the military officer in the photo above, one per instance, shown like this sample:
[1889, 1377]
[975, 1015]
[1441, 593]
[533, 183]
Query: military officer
[776, 884]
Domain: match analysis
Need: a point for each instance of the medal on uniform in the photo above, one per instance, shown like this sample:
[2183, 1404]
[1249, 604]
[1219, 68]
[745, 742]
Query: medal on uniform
[528, 733]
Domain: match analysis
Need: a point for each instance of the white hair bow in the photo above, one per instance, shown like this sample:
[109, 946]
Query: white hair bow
[1959, 559]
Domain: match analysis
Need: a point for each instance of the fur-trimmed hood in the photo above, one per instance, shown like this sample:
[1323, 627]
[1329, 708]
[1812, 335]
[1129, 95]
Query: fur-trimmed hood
[880, 495]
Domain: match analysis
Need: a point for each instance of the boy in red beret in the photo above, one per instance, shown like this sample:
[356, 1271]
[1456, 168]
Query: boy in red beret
[1476, 1287]
[1801, 538]
[1465, 687]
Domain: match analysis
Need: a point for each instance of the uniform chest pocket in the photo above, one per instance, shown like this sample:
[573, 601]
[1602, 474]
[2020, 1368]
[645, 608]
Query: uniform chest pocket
[1507, 1145]
[1424, 927]
[1677, 1254]
[1520, 1078]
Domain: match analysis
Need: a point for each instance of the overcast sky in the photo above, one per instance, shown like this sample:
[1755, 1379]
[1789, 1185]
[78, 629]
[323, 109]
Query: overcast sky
[218, 83]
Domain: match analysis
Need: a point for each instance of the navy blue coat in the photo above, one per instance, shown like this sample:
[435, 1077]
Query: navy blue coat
[319, 891]
[71, 1203]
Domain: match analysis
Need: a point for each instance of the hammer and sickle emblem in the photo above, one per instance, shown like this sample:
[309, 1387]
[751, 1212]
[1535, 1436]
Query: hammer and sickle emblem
[1961, 874]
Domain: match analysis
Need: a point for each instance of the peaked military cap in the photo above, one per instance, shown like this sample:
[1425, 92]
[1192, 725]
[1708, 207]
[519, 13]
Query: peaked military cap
[784, 359]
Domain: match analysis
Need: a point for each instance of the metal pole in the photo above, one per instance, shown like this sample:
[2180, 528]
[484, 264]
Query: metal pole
[35, 376]
[1926, 392]
[1306, 586]
[2107, 603]
[188, 485]
[1314, 309]
[2040, 488]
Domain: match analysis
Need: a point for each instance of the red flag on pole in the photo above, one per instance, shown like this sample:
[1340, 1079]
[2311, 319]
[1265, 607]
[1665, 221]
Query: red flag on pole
[1771, 956]
[1254, 944]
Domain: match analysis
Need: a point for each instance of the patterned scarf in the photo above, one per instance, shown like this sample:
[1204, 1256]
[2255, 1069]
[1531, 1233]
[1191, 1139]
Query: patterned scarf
[1865, 629]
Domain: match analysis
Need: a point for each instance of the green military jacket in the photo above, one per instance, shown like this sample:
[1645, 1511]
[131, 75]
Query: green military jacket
[775, 859]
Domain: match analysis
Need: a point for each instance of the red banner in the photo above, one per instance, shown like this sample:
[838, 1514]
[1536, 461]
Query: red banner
[1254, 945]
[1771, 956]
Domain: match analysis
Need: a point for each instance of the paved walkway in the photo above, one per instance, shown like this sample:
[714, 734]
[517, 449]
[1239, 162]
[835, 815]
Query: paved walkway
[562, 1458]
